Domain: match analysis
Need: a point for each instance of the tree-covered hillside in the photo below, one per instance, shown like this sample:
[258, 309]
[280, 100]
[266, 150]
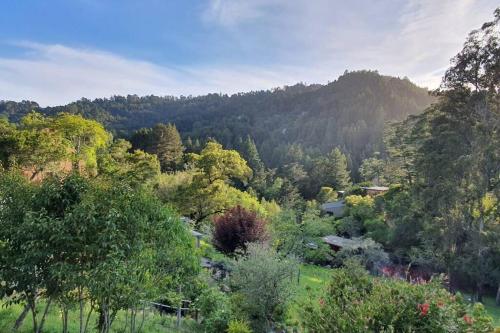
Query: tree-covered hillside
[348, 113]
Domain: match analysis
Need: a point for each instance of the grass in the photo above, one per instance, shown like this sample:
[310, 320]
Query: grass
[493, 310]
[313, 279]
[153, 323]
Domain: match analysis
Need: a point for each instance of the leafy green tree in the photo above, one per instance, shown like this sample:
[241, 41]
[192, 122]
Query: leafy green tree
[216, 163]
[163, 140]
[150, 253]
[119, 164]
[33, 146]
[457, 156]
[22, 262]
[86, 137]
[207, 188]
[73, 240]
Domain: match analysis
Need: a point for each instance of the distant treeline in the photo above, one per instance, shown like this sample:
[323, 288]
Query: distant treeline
[289, 125]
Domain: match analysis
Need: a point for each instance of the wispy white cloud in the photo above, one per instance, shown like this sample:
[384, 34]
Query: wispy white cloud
[55, 74]
[235, 12]
[307, 42]
[414, 38]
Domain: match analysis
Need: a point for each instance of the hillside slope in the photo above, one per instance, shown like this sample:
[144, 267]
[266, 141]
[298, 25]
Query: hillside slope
[349, 112]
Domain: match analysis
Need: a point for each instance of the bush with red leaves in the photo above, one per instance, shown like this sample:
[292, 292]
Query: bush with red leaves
[237, 227]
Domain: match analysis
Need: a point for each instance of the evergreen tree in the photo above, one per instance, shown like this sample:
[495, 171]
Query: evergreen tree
[372, 170]
[332, 171]
[168, 146]
[251, 154]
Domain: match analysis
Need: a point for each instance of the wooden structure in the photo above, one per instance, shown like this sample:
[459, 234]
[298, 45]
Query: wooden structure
[375, 190]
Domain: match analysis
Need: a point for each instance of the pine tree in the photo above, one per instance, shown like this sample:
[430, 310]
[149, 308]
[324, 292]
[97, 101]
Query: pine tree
[251, 154]
[332, 171]
[338, 170]
[168, 146]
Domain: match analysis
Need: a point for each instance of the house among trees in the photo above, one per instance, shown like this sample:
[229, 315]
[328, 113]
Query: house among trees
[335, 208]
[338, 243]
[375, 190]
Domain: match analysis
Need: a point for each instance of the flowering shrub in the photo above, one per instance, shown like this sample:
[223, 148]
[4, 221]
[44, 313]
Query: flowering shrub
[357, 302]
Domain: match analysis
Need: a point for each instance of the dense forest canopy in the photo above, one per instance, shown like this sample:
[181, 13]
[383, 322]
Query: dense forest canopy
[349, 113]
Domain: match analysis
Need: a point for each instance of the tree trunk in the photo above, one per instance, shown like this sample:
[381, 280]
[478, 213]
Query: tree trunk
[64, 320]
[80, 302]
[22, 316]
[42, 321]
[33, 315]
[88, 318]
[497, 300]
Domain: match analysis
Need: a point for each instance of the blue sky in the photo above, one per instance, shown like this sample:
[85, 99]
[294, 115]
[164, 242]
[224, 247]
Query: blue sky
[56, 51]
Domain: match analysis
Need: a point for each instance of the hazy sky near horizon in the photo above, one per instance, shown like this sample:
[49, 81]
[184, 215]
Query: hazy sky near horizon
[57, 51]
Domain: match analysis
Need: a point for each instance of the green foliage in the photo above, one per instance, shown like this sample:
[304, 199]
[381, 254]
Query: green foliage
[120, 165]
[302, 238]
[208, 187]
[326, 194]
[251, 154]
[356, 302]
[322, 254]
[265, 282]
[43, 144]
[71, 240]
[368, 253]
[372, 170]
[238, 326]
[218, 164]
[215, 309]
[332, 170]
[86, 137]
[349, 112]
[162, 140]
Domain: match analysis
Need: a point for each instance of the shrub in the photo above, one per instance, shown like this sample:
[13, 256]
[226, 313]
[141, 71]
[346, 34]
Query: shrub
[357, 302]
[322, 255]
[237, 326]
[237, 227]
[265, 283]
[215, 310]
[369, 254]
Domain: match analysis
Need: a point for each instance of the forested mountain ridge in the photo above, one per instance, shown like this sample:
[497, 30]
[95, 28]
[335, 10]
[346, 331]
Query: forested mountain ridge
[349, 113]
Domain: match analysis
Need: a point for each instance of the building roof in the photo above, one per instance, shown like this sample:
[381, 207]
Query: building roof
[376, 188]
[196, 233]
[336, 208]
[342, 242]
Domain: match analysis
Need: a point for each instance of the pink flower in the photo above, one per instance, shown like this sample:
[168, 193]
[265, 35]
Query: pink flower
[424, 309]
[468, 319]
